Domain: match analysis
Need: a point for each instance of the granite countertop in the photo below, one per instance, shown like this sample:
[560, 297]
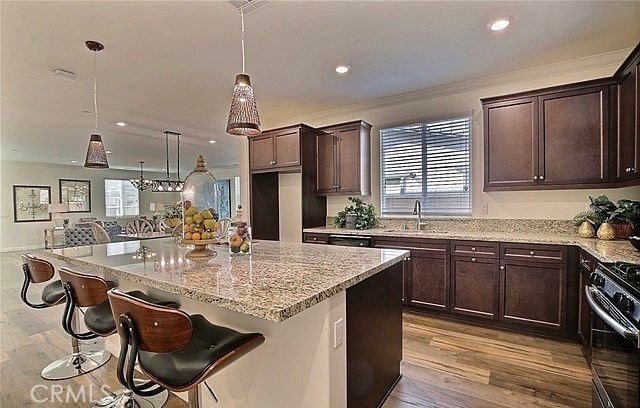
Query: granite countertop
[604, 251]
[280, 279]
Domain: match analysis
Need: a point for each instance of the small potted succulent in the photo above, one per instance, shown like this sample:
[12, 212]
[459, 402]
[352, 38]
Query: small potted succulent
[65, 223]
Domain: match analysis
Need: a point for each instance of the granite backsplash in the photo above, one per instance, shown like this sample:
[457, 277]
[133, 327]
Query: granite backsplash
[479, 225]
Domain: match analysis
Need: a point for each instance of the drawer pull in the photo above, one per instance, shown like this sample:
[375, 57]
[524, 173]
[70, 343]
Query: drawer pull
[473, 249]
[502, 267]
[473, 259]
[532, 253]
[315, 238]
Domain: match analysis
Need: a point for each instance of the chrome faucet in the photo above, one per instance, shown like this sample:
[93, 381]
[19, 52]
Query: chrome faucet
[417, 210]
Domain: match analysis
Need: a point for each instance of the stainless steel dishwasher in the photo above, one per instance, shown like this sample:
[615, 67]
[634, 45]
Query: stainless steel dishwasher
[350, 240]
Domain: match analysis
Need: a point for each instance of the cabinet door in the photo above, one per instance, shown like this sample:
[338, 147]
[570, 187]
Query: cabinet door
[261, 152]
[511, 143]
[533, 294]
[474, 286]
[627, 135]
[326, 162]
[348, 160]
[574, 134]
[429, 281]
[287, 148]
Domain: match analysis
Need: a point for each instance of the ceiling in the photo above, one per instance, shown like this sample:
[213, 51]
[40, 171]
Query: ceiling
[171, 65]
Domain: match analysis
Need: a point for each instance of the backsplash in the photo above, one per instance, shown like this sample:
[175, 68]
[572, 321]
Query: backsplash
[479, 225]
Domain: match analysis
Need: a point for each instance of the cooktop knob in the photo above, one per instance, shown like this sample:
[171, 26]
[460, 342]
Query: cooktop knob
[626, 304]
[598, 281]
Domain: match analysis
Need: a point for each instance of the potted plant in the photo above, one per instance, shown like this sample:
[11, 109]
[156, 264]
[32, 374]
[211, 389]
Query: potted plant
[65, 223]
[603, 208]
[365, 215]
[625, 218]
[587, 223]
[173, 214]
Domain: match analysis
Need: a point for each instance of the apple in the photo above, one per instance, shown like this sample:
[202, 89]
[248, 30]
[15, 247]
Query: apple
[187, 204]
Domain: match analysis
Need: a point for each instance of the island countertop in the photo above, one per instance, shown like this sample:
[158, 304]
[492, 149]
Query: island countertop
[280, 279]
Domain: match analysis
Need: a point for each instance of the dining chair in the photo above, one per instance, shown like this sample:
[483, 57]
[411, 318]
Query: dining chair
[100, 234]
[137, 226]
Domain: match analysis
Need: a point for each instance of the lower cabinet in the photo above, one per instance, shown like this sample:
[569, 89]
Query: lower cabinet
[586, 266]
[474, 286]
[533, 294]
[428, 280]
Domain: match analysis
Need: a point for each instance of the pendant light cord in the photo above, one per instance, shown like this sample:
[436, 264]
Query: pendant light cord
[95, 91]
[242, 20]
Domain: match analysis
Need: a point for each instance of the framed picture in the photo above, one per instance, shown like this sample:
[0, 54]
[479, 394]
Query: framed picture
[224, 203]
[76, 194]
[31, 203]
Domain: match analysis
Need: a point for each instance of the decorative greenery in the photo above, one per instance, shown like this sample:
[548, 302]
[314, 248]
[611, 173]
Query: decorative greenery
[365, 215]
[627, 212]
[65, 221]
[602, 210]
[603, 207]
[588, 216]
[175, 211]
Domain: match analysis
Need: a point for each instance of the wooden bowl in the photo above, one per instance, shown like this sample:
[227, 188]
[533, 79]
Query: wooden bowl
[201, 251]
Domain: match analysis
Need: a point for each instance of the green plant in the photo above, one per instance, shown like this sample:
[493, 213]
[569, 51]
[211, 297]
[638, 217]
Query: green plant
[65, 221]
[365, 214]
[602, 207]
[175, 211]
[627, 212]
[588, 216]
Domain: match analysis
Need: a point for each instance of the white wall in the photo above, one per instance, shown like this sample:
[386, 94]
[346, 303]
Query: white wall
[29, 235]
[465, 97]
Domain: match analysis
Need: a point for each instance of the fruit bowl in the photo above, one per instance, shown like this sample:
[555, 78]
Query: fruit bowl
[201, 251]
[635, 242]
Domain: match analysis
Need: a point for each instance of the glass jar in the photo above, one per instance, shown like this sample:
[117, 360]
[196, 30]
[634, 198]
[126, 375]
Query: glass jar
[239, 234]
[200, 199]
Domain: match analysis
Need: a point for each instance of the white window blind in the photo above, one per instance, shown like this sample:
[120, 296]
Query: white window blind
[121, 198]
[429, 162]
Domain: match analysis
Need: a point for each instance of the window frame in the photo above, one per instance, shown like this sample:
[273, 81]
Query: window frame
[468, 115]
[122, 207]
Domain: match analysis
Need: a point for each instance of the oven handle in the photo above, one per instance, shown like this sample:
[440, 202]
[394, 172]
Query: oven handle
[630, 334]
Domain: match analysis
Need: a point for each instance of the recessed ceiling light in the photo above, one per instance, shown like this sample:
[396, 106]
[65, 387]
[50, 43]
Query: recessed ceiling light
[73, 161]
[108, 151]
[121, 124]
[499, 24]
[212, 141]
[342, 69]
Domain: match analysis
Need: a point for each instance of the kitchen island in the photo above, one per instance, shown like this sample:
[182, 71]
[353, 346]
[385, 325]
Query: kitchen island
[331, 316]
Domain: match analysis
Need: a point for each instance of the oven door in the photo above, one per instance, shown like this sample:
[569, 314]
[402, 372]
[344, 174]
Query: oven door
[615, 353]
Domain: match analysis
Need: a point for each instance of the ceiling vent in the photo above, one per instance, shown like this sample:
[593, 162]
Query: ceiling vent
[247, 6]
[64, 74]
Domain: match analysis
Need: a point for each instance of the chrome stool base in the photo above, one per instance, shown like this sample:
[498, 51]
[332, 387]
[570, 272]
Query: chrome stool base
[76, 364]
[127, 399]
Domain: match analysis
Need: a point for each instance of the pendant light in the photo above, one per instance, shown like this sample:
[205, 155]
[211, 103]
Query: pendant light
[141, 183]
[168, 185]
[96, 155]
[243, 116]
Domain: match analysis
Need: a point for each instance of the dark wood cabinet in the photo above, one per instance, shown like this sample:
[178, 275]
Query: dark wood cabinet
[429, 280]
[586, 267]
[261, 152]
[574, 137]
[343, 159]
[511, 143]
[474, 286]
[276, 149]
[628, 126]
[533, 294]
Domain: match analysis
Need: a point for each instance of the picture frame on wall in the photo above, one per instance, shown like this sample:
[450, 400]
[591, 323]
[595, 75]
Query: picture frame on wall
[31, 203]
[76, 194]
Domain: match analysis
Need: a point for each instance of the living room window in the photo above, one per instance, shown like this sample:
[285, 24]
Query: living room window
[430, 162]
[121, 198]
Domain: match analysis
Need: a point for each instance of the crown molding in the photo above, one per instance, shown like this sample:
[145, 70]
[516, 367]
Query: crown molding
[605, 61]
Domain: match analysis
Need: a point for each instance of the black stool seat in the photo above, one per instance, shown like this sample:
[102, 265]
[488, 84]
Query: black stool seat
[208, 345]
[99, 318]
[53, 293]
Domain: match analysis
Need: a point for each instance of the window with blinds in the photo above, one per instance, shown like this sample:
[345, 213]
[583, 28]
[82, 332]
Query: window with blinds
[429, 162]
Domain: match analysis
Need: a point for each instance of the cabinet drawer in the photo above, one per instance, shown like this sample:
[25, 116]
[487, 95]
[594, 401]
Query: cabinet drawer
[311, 238]
[476, 249]
[536, 253]
[587, 261]
[435, 246]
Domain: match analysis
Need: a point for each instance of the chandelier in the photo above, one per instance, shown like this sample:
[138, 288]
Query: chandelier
[167, 185]
[141, 183]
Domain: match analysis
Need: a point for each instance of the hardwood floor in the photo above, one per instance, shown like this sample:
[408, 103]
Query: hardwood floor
[445, 364]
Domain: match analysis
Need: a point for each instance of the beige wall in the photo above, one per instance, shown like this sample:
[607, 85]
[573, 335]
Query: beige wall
[465, 97]
[30, 234]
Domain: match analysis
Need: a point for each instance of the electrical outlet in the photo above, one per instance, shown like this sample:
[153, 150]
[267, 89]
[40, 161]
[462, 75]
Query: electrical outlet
[485, 208]
[338, 333]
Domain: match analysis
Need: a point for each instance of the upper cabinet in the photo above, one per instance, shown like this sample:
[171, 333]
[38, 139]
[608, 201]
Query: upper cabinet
[343, 159]
[277, 149]
[582, 135]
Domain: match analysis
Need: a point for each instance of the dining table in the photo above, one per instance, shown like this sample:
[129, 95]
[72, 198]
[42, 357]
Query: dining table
[140, 236]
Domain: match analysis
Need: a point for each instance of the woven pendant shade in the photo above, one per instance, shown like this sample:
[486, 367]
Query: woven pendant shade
[243, 116]
[96, 155]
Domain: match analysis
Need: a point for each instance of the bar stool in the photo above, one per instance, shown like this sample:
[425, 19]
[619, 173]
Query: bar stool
[175, 350]
[82, 290]
[79, 362]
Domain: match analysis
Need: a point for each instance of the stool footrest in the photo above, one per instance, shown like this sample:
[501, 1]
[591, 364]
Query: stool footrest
[75, 364]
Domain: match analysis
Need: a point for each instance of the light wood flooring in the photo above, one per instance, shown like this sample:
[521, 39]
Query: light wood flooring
[445, 364]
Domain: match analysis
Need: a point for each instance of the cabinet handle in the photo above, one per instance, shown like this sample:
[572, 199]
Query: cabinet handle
[535, 177]
[541, 177]
[532, 253]
[632, 169]
[273, 162]
[473, 248]
[473, 259]
[315, 238]
[502, 267]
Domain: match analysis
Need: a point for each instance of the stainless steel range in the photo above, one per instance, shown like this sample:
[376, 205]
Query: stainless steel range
[614, 297]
